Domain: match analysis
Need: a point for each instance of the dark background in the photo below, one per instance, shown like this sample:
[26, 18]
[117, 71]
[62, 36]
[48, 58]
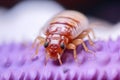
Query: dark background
[104, 9]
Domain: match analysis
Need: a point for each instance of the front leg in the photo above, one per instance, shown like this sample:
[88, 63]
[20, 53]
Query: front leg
[73, 47]
[41, 42]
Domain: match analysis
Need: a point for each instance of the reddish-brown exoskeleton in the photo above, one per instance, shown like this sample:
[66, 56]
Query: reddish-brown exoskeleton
[66, 30]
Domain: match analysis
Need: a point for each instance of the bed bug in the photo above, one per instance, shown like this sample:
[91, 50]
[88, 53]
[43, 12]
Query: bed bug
[65, 31]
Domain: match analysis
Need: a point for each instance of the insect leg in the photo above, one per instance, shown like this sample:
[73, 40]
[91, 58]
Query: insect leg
[41, 42]
[72, 46]
[90, 41]
[41, 39]
[37, 48]
[80, 41]
[36, 51]
[82, 35]
[91, 30]
[46, 59]
[59, 59]
[33, 45]
[86, 33]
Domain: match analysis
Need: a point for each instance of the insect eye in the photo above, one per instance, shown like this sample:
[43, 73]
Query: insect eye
[46, 44]
[62, 46]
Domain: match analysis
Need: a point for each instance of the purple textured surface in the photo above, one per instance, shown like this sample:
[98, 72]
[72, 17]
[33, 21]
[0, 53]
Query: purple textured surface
[16, 63]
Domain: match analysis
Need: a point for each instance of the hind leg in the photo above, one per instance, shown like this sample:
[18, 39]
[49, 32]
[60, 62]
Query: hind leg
[86, 33]
[80, 41]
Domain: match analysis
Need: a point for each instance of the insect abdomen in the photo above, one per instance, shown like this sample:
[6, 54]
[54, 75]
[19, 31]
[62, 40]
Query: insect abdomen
[70, 23]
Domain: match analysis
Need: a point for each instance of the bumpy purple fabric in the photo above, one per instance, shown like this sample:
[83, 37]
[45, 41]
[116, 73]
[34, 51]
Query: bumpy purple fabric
[16, 63]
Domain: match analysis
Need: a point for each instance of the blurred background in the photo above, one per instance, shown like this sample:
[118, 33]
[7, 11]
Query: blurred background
[104, 9]
[22, 20]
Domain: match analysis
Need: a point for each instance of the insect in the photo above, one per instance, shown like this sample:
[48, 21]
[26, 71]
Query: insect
[66, 30]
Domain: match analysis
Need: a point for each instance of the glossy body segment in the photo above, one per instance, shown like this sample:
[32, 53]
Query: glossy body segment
[68, 22]
[66, 30]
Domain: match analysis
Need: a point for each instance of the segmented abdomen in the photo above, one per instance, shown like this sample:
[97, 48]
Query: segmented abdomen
[69, 23]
